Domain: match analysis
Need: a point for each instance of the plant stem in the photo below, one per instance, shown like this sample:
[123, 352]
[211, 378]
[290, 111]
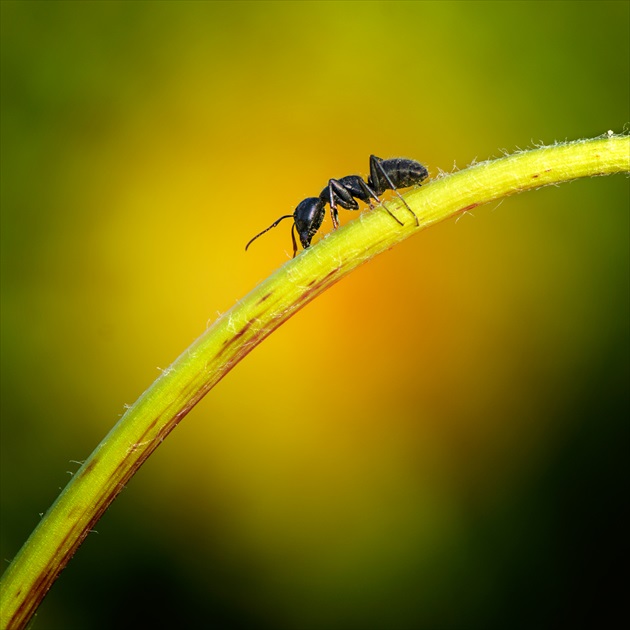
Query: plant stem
[156, 413]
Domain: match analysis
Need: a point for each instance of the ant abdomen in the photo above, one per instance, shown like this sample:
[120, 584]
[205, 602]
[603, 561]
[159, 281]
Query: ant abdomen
[394, 173]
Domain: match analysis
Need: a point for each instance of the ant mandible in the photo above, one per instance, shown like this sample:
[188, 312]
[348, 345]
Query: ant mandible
[390, 174]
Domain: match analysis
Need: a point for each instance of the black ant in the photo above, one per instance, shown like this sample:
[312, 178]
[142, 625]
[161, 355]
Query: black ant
[384, 175]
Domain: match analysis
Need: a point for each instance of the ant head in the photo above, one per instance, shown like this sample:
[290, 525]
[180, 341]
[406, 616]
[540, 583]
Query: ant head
[308, 217]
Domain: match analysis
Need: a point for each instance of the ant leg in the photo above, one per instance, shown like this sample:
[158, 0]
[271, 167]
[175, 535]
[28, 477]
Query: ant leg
[372, 195]
[339, 192]
[376, 164]
[293, 239]
[334, 215]
[368, 193]
[393, 216]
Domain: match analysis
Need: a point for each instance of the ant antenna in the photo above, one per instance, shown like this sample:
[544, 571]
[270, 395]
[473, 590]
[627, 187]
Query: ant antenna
[273, 225]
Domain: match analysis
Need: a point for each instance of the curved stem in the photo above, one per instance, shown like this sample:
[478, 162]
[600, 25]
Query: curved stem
[145, 425]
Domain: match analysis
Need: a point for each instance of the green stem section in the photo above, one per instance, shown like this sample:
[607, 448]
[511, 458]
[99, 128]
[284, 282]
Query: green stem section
[145, 425]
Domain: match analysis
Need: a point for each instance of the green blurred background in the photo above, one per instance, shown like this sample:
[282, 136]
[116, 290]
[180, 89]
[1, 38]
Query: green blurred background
[440, 441]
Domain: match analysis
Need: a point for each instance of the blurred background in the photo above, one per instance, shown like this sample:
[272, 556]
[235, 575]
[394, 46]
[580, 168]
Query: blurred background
[460, 458]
